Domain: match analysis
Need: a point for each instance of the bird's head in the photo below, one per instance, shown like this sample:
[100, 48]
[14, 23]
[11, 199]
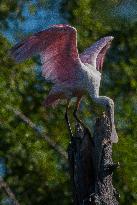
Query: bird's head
[108, 104]
[95, 54]
[105, 102]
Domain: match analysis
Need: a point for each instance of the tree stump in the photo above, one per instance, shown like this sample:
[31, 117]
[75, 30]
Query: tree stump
[91, 165]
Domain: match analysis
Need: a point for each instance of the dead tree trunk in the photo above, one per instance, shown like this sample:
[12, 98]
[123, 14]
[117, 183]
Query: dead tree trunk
[91, 165]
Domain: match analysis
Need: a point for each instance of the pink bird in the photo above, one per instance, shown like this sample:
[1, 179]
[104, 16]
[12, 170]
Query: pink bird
[72, 75]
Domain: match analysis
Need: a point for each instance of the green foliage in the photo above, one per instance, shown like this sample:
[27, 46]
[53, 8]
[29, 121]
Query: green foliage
[35, 172]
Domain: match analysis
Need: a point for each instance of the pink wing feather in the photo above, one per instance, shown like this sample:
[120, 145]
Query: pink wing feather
[95, 54]
[57, 47]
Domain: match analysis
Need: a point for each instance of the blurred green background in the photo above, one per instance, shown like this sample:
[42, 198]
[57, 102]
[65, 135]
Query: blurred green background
[34, 170]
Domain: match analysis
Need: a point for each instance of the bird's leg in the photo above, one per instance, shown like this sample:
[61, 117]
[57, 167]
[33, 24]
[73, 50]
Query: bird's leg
[76, 111]
[67, 119]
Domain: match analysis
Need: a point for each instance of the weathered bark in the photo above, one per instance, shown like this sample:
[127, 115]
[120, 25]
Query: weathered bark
[91, 165]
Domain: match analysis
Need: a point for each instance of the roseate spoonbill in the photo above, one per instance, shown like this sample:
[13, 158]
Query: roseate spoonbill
[72, 74]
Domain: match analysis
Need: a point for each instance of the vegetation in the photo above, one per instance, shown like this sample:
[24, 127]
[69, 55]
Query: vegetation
[36, 172]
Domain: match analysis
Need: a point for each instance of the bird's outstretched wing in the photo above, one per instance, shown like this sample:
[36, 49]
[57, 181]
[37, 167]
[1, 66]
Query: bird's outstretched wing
[95, 54]
[57, 47]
